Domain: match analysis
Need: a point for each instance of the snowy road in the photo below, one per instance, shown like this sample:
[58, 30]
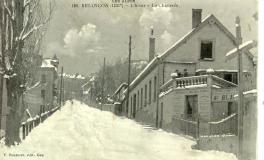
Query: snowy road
[79, 132]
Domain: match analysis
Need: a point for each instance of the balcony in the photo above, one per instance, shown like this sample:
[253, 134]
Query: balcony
[196, 81]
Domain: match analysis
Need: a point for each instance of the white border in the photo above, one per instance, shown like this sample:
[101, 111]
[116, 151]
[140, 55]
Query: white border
[260, 137]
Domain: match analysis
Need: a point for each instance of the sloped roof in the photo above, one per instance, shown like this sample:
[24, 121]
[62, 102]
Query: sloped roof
[209, 19]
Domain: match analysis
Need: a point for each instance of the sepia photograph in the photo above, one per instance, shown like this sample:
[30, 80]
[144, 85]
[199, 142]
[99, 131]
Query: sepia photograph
[130, 79]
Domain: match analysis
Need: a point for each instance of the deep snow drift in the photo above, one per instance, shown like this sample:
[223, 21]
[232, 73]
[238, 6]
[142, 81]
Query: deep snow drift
[79, 132]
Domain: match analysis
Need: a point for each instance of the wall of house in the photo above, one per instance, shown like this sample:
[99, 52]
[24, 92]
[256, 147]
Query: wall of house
[190, 51]
[174, 106]
[48, 86]
[220, 99]
[145, 113]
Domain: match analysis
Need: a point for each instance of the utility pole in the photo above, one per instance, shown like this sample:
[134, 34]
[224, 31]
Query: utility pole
[102, 92]
[61, 80]
[63, 91]
[240, 90]
[128, 77]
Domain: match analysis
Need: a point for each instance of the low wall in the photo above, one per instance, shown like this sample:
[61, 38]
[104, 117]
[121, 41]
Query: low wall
[226, 143]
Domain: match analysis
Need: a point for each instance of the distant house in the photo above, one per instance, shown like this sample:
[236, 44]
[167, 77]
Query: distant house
[189, 75]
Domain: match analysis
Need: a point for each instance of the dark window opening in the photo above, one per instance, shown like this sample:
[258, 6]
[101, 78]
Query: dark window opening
[206, 49]
[185, 73]
[235, 78]
[228, 77]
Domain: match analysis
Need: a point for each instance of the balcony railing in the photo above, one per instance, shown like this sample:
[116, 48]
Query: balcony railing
[196, 81]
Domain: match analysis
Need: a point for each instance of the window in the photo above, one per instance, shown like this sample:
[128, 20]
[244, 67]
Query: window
[235, 78]
[42, 92]
[145, 99]
[155, 88]
[206, 50]
[141, 98]
[150, 91]
[228, 77]
[43, 78]
[231, 77]
[185, 73]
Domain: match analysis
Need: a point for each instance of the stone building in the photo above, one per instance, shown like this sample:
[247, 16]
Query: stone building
[186, 62]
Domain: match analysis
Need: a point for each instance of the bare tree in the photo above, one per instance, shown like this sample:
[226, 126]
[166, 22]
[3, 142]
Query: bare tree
[23, 24]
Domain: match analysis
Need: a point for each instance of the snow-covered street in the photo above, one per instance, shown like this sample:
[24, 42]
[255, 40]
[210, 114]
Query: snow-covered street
[79, 132]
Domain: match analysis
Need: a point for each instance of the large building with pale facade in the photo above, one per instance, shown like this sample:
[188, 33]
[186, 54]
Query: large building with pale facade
[191, 79]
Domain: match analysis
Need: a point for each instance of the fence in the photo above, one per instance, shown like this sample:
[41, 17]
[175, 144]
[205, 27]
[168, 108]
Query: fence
[227, 125]
[185, 126]
[188, 126]
[27, 126]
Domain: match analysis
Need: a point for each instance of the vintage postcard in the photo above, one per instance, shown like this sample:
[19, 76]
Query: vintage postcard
[129, 79]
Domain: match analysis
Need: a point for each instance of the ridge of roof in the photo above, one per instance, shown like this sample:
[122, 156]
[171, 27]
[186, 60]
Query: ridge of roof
[182, 41]
[194, 30]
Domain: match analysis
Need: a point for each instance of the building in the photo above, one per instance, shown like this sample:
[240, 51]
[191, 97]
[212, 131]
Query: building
[72, 86]
[43, 95]
[197, 58]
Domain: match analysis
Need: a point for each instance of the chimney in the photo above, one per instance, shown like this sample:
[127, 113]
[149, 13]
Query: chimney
[196, 17]
[238, 31]
[151, 45]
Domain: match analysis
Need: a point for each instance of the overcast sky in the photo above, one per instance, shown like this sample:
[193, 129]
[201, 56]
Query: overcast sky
[82, 37]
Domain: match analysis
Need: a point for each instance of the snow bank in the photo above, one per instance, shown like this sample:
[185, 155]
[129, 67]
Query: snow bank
[79, 132]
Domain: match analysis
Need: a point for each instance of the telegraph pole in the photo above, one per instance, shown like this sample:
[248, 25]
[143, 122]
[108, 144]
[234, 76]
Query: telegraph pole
[102, 92]
[128, 76]
[240, 90]
[61, 80]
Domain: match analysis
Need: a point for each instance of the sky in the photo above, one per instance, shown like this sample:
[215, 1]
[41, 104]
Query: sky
[81, 37]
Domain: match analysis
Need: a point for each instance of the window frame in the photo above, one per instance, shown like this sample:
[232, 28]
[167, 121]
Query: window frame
[213, 49]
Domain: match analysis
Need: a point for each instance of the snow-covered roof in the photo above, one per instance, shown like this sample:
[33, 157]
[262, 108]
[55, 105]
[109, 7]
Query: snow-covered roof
[73, 76]
[246, 46]
[47, 63]
[120, 87]
[250, 92]
[220, 70]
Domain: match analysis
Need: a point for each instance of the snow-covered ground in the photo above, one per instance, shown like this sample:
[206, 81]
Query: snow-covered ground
[79, 132]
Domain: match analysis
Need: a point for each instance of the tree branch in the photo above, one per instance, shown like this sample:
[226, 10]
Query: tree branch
[8, 10]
